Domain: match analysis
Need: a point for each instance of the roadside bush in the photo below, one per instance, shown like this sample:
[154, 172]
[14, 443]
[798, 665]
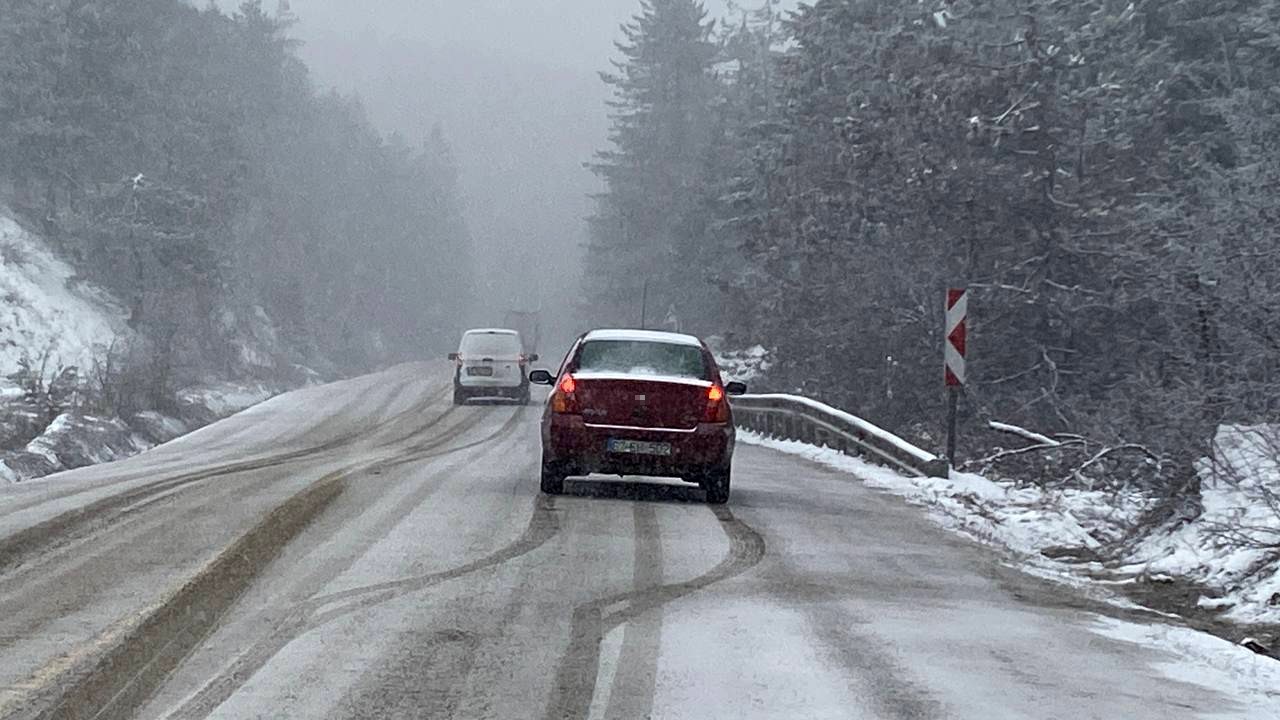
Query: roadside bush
[47, 385]
[131, 377]
[13, 254]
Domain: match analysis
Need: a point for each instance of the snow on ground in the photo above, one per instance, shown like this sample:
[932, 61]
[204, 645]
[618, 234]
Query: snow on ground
[49, 317]
[75, 441]
[1024, 519]
[44, 309]
[1233, 546]
[1227, 546]
[1203, 659]
[1028, 520]
[225, 398]
[743, 365]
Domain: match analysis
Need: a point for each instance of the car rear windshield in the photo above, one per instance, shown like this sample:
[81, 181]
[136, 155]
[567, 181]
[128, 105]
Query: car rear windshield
[640, 357]
[490, 344]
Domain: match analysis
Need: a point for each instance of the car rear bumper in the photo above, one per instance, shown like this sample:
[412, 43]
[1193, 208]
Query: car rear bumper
[583, 448]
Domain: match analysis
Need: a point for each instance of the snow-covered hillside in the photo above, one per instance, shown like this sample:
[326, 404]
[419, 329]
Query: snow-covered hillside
[1234, 545]
[53, 320]
[45, 309]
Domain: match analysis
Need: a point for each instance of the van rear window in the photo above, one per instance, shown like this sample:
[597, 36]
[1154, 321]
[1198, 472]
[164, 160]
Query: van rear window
[504, 344]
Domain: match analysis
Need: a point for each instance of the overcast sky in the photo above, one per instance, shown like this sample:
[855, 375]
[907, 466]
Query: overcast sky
[514, 84]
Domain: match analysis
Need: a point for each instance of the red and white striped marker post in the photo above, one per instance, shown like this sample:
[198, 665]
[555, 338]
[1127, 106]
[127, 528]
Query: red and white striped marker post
[953, 360]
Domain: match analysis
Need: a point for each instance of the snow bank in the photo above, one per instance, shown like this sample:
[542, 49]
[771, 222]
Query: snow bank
[46, 311]
[1226, 546]
[42, 308]
[1025, 519]
[157, 428]
[1031, 520]
[743, 365]
[225, 398]
[73, 441]
[1233, 546]
[1203, 659]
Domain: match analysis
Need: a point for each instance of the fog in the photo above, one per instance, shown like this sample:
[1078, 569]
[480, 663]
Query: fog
[515, 87]
[1023, 254]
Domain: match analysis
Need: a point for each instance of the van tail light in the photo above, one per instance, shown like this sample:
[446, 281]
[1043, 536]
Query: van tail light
[458, 361]
[717, 406]
[522, 360]
[565, 398]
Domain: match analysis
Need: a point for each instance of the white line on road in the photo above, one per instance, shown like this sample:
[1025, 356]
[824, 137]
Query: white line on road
[610, 652]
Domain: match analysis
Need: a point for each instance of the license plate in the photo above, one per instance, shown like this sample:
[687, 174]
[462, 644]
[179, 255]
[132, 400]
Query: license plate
[484, 371]
[638, 447]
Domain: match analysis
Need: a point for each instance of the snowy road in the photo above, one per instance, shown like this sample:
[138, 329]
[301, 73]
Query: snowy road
[411, 569]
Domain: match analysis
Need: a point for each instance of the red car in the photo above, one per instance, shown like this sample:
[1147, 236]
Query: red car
[638, 402]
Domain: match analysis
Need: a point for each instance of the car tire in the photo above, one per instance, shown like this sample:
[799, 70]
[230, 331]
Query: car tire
[459, 396]
[553, 476]
[716, 484]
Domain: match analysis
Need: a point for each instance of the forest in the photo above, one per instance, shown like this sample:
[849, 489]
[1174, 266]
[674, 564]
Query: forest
[185, 160]
[1101, 175]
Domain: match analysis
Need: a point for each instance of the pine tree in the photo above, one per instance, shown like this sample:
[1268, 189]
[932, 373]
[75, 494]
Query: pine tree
[650, 222]
[745, 116]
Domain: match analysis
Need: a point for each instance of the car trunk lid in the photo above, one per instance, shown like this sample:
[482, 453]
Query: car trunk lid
[645, 402]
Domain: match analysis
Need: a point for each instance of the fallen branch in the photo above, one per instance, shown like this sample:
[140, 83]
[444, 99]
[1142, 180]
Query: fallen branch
[1024, 433]
[1102, 454]
[988, 461]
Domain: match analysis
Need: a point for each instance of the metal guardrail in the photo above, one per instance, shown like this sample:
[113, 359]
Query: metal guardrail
[791, 417]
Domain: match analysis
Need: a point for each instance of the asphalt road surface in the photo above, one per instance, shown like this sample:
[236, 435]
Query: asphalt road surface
[367, 550]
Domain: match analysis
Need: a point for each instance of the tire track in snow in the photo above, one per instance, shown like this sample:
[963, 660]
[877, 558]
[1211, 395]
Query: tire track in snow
[156, 646]
[21, 586]
[20, 548]
[575, 683]
[312, 614]
[631, 692]
[407, 684]
[328, 570]
[57, 494]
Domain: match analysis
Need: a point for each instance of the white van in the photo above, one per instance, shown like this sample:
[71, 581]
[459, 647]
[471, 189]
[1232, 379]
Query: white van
[491, 363]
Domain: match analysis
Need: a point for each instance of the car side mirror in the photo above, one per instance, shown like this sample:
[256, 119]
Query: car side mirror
[541, 377]
[533, 357]
[453, 356]
[736, 388]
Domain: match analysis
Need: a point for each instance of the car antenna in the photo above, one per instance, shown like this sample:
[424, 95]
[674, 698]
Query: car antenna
[644, 304]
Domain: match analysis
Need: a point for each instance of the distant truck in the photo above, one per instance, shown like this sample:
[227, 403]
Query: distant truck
[527, 323]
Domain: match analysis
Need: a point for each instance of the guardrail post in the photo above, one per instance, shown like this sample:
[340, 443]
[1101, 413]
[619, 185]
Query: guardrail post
[938, 468]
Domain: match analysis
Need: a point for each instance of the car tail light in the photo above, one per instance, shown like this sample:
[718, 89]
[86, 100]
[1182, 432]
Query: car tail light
[717, 407]
[565, 398]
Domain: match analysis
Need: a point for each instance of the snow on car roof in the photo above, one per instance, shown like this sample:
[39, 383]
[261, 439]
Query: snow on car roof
[644, 336]
[491, 331]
